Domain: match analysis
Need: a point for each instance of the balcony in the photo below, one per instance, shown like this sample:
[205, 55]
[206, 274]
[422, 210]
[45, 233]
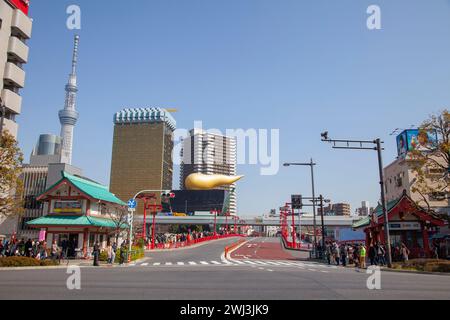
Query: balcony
[12, 101]
[11, 127]
[21, 25]
[17, 50]
[14, 75]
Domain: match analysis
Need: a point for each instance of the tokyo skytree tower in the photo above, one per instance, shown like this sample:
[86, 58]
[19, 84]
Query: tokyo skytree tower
[69, 116]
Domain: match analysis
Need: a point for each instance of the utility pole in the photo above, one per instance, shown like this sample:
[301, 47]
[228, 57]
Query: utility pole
[364, 145]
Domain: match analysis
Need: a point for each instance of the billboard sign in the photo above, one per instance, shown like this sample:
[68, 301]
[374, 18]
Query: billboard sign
[70, 206]
[22, 5]
[416, 140]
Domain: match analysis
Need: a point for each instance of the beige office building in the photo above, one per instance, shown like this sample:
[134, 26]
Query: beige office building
[142, 152]
[15, 30]
[399, 176]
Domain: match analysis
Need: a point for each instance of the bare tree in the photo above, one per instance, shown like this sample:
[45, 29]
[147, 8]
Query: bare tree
[431, 163]
[11, 186]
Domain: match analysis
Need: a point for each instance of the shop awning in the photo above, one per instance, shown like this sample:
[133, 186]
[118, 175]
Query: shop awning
[73, 221]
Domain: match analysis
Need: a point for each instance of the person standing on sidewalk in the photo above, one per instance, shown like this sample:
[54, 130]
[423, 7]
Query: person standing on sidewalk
[113, 252]
[362, 256]
[344, 254]
[96, 253]
[405, 253]
[381, 252]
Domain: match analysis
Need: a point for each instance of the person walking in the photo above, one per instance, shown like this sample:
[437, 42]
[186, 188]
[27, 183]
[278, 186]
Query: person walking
[96, 253]
[54, 250]
[113, 252]
[381, 253]
[362, 256]
[405, 253]
[328, 252]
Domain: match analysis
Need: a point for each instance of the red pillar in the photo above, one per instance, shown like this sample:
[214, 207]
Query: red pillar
[293, 229]
[153, 231]
[145, 220]
[85, 239]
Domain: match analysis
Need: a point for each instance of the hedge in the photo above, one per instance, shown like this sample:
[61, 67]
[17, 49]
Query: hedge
[26, 262]
[136, 254]
[428, 265]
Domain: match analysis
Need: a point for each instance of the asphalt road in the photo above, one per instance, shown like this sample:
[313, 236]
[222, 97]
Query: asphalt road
[261, 280]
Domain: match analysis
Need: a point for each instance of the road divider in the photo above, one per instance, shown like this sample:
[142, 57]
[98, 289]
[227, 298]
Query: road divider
[232, 247]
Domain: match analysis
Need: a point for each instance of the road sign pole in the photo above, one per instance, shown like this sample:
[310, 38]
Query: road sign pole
[130, 236]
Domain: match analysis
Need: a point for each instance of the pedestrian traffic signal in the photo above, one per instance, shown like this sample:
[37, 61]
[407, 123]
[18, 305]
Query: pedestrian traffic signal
[297, 202]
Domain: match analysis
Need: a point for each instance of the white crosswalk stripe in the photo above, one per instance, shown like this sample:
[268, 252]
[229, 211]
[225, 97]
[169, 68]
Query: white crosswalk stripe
[260, 264]
[273, 263]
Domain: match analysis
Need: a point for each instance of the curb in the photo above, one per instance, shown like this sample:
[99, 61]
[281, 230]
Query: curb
[416, 272]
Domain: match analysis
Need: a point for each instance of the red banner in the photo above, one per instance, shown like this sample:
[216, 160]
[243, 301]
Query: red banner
[22, 5]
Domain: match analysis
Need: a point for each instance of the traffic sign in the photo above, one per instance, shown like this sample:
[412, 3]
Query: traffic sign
[132, 204]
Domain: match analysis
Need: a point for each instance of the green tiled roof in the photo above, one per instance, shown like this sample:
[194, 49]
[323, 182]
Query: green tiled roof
[78, 221]
[378, 211]
[92, 189]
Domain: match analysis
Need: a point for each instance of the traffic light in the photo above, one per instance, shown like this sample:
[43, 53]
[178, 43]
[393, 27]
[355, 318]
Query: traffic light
[168, 195]
[297, 202]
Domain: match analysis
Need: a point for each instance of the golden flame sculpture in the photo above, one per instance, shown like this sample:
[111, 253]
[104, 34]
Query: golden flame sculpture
[198, 181]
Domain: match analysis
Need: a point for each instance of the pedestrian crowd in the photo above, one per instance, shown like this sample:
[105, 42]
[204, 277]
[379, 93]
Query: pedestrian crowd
[24, 248]
[170, 239]
[358, 254]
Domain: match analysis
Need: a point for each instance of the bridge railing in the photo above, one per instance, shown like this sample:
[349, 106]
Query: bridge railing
[182, 244]
[297, 246]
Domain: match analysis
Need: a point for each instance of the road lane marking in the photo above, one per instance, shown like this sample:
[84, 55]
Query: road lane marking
[180, 263]
[312, 270]
[215, 262]
[157, 264]
[239, 262]
[260, 262]
[168, 263]
[204, 262]
[250, 262]
[192, 263]
[144, 264]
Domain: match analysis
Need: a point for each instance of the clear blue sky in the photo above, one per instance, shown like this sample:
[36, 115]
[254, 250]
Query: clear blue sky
[300, 66]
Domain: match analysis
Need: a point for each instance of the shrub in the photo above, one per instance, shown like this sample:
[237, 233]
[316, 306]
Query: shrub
[429, 265]
[26, 262]
[136, 254]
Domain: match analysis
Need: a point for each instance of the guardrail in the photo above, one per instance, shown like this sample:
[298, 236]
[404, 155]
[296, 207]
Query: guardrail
[298, 246]
[233, 246]
[183, 244]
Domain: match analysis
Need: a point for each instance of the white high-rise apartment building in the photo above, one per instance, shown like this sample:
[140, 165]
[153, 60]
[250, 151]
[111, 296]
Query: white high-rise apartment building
[208, 153]
[15, 30]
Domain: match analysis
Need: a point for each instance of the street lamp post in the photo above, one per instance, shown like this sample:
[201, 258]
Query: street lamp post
[311, 165]
[363, 145]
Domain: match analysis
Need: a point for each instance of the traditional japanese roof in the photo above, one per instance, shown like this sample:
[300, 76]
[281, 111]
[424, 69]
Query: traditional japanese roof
[90, 188]
[73, 221]
[393, 205]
